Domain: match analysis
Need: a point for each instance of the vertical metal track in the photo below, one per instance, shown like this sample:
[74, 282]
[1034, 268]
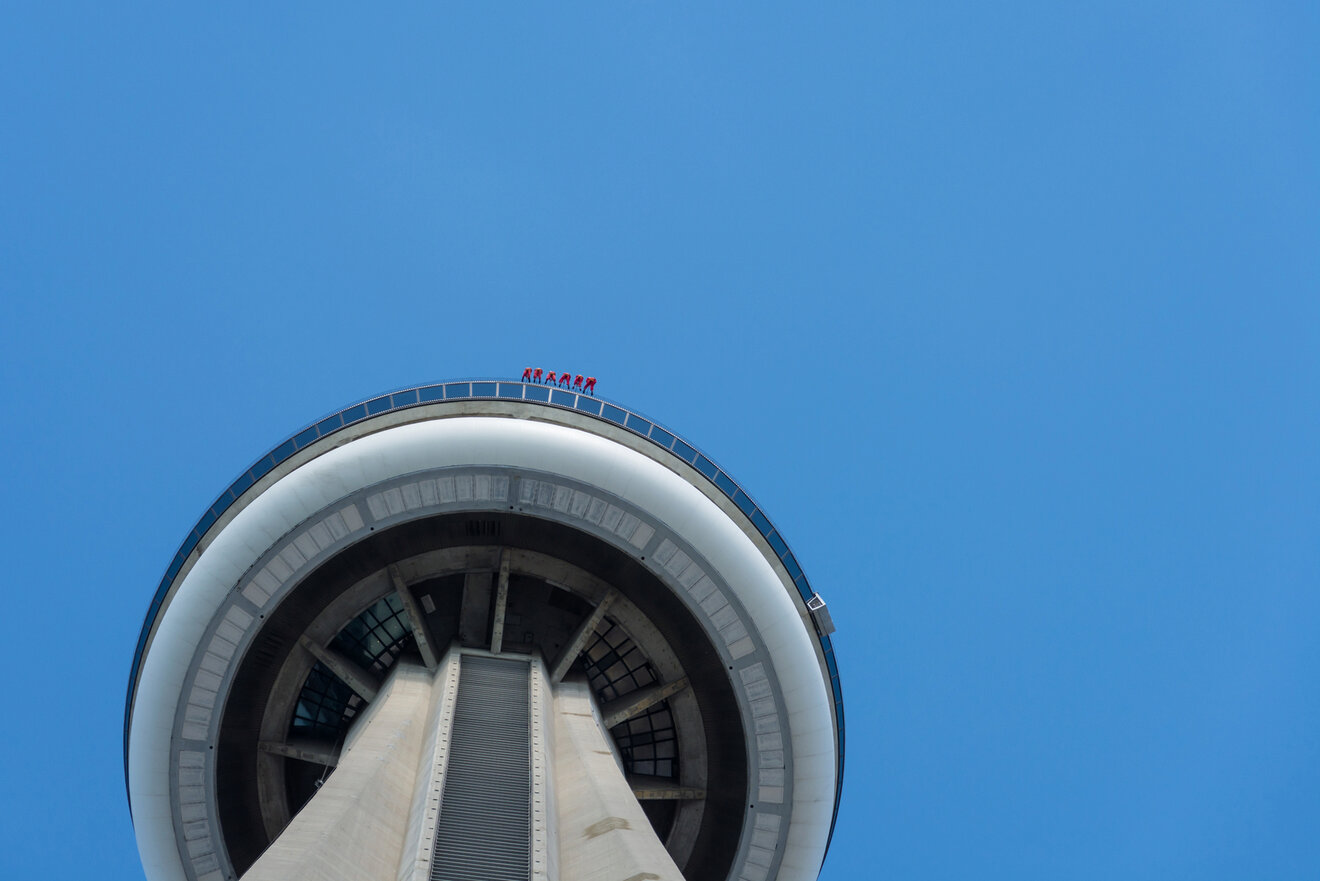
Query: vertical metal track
[484, 829]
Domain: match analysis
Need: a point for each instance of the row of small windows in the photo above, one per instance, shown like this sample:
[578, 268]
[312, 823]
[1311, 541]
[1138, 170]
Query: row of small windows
[616, 667]
[493, 389]
[509, 391]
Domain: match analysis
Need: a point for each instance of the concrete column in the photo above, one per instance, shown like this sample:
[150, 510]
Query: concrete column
[501, 604]
[375, 818]
[580, 637]
[419, 840]
[630, 705]
[658, 788]
[474, 616]
[545, 811]
[350, 673]
[353, 828]
[306, 751]
[603, 833]
[415, 618]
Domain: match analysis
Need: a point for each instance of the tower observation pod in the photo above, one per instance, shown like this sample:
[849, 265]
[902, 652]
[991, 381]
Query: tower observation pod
[478, 631]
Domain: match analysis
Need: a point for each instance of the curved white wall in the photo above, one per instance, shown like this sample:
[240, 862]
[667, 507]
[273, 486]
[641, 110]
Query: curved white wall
[517, 443]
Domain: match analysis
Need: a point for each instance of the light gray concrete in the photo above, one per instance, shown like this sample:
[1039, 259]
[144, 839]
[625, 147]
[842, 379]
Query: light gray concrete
[283, 700]
[176, 716]
[474, 617]
[415, 618]
[353, 828]
[317, 754]
[501, 605]
[362, 682]
[603, 833]
[655, 788]
[545, 803]
[630, 705]
[419, 839]
[588, 626]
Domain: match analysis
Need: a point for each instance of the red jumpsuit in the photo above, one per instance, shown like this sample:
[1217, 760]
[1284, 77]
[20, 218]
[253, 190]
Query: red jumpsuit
[590, 387]
[527, 374]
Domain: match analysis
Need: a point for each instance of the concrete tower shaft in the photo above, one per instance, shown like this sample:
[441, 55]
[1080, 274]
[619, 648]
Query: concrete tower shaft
[368, 571]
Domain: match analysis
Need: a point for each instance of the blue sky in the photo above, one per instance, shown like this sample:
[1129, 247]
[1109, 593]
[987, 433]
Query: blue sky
[1007, 314]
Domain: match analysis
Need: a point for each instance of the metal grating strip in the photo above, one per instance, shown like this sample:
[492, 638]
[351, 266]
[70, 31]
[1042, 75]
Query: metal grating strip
[484, 830]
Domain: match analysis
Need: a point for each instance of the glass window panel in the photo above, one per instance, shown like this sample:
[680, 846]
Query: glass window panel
[238, 487]
[511, 390]
[378, 405]
[777, 543]
[283, 451]
[458, 390]
[638, 424]
[614, 413]
[662, 437]
[225, 500]
[433, 393]
[685, 451]
[483, 389]
[353, 414]
[537, 393]
[723, 481]
[403, 399]
[745, 504]
[329, 424]
[706, 467]
[587, 405]
[305, 437]
[563, 399]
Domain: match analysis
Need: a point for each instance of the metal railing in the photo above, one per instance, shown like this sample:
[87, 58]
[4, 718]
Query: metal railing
[498, 389]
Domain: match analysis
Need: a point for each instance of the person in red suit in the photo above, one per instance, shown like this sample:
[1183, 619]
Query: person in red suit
[590, 386]
[527, 374]
[550, 377]
[577, 382]
[565, 379]
[536, 377]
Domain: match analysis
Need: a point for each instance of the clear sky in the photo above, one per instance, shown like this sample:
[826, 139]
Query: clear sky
[1007, 313]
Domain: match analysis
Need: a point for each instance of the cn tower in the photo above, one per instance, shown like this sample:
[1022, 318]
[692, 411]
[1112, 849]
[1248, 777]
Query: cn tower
[484, 630]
